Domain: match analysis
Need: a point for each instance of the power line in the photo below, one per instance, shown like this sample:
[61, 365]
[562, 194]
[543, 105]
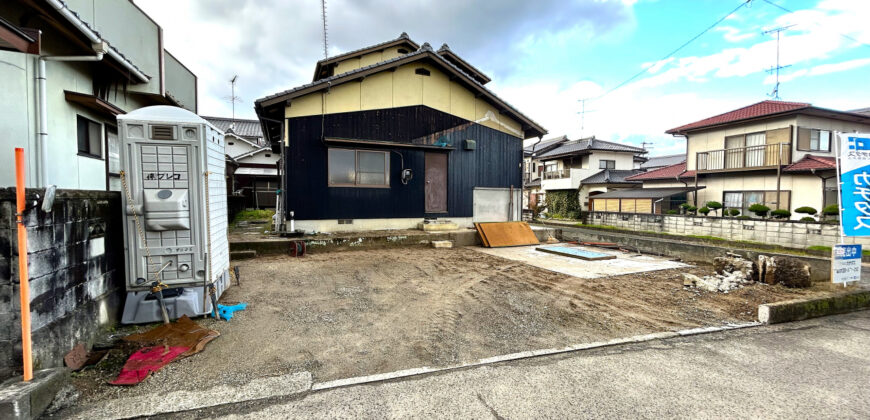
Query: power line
[849, 37]
[685, 44]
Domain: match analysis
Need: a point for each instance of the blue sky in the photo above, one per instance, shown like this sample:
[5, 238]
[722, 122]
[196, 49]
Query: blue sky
[544, 56]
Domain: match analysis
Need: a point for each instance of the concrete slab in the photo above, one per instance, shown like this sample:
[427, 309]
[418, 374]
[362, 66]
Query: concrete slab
[576, 252]
[622, 264]
[28, 400]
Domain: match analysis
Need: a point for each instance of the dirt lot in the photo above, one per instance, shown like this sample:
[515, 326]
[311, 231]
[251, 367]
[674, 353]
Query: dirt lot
[355, 313]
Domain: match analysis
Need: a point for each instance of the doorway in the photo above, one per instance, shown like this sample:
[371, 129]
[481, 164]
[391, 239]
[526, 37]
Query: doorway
[436, 183]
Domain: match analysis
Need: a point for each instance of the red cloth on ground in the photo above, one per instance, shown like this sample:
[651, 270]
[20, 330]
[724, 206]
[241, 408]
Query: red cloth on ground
[145, 361]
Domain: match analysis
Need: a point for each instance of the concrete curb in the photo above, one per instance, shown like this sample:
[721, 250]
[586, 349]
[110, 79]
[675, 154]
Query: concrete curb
[796, 310]
[28, 400]
[185, 400]
[400, 374]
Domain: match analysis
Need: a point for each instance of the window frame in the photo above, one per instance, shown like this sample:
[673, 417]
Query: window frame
[810, 132]
[102, 133]
[356, 183]
[109, 174]
[606, 163]
[744, 209]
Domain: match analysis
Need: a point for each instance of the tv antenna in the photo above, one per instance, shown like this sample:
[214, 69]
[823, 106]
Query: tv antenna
[323, 18]
[233, 98]
[644, 143]
[582, 113]
[775, 93]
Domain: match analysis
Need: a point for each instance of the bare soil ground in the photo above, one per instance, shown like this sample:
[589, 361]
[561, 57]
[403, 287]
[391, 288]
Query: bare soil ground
[355, 313]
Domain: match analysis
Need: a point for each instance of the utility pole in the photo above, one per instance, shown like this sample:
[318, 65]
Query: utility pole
[323, 17]
[775, 93]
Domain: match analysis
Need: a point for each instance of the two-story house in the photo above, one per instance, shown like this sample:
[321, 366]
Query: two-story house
[256, 177]
[533, 169]
[67, 69]
[589, 165]
[780, 154]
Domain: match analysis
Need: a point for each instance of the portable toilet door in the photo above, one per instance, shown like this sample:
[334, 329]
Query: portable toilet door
[175, 213]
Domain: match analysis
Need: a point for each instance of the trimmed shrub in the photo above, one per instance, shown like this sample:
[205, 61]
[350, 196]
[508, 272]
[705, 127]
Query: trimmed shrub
[672, 211]
[781, 214]
[808, 219]
[704, 210]
[832, 210]
[691, 209]
[806, 210]
[734, 212]
[714, 206]
[744, 217]
[563, 203]
[760, 210]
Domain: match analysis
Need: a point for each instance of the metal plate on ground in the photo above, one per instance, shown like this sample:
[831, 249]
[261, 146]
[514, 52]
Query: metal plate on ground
[576, 253]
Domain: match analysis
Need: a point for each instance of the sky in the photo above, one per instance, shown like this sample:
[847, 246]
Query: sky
[547, 55]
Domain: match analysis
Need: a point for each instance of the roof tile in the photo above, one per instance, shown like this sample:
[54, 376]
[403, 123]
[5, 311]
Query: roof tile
[667, 172]
[760, 109]
[812, 162]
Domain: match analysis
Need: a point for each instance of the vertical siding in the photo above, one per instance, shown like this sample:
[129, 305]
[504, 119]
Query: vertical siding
[495, 163]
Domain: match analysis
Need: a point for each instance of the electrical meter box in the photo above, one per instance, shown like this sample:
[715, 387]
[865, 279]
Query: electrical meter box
[175, 213]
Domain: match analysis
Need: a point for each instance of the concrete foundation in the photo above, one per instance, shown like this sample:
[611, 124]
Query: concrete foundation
[363, 225]
[28, 400]
[796, 310]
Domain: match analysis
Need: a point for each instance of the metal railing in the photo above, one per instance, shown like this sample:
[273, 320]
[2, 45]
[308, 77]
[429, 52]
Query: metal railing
[762, 156]
[559, 174]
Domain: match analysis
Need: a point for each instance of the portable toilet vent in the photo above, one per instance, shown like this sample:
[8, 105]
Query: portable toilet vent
[175, 214]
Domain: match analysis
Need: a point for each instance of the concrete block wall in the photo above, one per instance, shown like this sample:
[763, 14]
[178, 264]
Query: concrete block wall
[792, 234]
[76, 271]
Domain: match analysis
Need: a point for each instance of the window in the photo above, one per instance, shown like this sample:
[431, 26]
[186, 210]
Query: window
[606, 164]
[741, 200]
[113, 159]
[812, 140]
[358, 168]
[90, 137]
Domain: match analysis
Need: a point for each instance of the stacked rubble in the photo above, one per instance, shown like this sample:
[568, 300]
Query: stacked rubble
[734, 271]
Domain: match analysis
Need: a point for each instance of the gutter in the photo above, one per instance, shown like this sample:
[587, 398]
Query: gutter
[96, 39]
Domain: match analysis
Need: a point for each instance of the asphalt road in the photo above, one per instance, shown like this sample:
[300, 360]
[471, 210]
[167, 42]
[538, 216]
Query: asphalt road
[812, 369]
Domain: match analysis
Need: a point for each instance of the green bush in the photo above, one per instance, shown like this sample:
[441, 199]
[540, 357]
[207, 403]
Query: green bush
[744, 217]
[704, 210]
[781, 214]
[672, 211]
[714, 206]
[832, 210]
[563, 203]
[806, 210]
[760, 210]
[691, 209]
[734, 212]
[808, 219]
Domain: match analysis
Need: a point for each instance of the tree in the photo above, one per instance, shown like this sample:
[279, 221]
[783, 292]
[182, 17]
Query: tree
[714, 206]
[781, 214]
[760, 210]
[704, 210]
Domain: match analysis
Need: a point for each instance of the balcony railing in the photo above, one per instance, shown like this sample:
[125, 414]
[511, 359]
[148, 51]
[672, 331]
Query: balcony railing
[562, 173]
[750, 157]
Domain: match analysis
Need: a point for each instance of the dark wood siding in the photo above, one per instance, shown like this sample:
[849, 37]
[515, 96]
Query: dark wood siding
[495, 163]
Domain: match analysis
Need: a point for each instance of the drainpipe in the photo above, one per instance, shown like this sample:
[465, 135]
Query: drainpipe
[42, 136]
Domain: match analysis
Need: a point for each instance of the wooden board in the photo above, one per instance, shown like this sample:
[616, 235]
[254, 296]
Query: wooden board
[482, 235]
[501, 234]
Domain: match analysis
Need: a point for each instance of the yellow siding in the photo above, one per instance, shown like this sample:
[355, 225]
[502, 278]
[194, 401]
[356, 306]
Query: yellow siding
[613, 204]
[436, 90]
[371, 58]
[628, 205]
[407, 86]
[343, 98]
[376, 91]
[347, 65]
[643, 206]
[390, 53]
[402, 87]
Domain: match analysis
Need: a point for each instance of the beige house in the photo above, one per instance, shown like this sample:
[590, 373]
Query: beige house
[780, 154]
[533, 169]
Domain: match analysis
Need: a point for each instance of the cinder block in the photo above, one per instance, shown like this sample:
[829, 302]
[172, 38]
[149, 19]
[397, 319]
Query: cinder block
[28, 400]
[442, 244]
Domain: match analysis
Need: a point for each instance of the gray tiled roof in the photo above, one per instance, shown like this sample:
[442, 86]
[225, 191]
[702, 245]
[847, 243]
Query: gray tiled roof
[243, 128]
[659, 161]
[590, 144]
[612, 176]
[425, 49]
[543, 144]
[862, 111]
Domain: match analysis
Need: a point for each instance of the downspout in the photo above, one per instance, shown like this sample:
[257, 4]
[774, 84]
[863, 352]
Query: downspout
[42, 99]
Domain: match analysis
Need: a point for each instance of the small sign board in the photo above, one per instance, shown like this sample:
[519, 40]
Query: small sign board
[846, 263]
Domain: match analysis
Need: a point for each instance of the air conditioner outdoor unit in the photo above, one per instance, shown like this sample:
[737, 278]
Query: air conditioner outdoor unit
[175, 214]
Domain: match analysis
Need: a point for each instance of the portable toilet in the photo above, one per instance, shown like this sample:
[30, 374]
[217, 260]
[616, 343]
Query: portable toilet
[175, 214]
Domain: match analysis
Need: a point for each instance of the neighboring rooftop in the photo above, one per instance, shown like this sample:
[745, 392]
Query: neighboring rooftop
[588, 145]
[767, 109]
[612, 176]
[811, 163]
[668, 172]
[322, 68]
[544, 145]
[243, 128]
[654, 162]
[862, 111]
[646, 192]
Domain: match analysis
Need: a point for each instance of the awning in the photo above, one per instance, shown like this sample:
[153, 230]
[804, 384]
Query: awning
[93, 102]
[257, 171]
[646, 193]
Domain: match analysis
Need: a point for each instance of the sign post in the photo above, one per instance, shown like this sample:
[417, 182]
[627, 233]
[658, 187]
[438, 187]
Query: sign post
[853, 172]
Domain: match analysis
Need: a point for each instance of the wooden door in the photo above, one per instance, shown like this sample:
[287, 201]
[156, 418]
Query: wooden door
[436, 183]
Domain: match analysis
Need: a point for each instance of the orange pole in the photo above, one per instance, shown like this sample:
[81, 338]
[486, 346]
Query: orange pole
[22, 266]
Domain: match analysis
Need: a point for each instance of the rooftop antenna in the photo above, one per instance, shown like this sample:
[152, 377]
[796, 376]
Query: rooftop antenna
[644, 143]
[775, 93]
[234, 98]
[582, 113]
[323, 17]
